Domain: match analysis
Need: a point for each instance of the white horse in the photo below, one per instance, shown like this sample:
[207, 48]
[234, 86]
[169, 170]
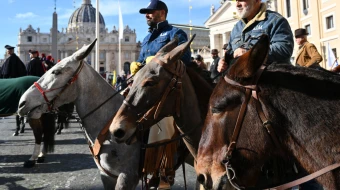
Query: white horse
[89, 91]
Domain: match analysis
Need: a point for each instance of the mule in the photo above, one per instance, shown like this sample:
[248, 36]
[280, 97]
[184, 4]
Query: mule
[266, 130]
[73, 80]
[164, 87]
[10, 91]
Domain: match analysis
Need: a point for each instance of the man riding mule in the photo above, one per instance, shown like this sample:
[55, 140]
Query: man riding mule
[161, 167]
[271, 126]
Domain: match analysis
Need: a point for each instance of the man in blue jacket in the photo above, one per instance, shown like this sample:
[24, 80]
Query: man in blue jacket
[160, 32]
[256, 20]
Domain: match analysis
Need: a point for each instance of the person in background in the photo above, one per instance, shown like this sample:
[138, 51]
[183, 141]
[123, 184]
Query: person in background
[200, 62]
[254, 21]
[35, 67]
[214, 64]
[48, 62]
[13, 67]
[307, 54]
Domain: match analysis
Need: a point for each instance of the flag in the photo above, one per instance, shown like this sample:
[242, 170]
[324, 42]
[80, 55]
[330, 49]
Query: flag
[114, 78]
[121, 26]
[331, 59]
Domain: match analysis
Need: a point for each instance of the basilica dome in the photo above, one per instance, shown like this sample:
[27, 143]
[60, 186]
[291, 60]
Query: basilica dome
[85, 16]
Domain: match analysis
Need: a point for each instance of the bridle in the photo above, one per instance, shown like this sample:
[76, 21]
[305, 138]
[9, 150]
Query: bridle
[252, 91]
[175, 85]
[50, 103]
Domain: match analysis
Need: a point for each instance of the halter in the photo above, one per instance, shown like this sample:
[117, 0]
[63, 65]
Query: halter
[175, 84]
[50, 103]
[251, 91]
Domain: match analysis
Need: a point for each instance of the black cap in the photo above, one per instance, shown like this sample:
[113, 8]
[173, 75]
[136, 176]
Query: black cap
[32, 51]
[301, 32]
[154, 5]
[198, 57]
[9, 47]
[225, 46]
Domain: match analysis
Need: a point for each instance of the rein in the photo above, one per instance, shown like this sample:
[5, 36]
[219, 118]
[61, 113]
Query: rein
[251, 91]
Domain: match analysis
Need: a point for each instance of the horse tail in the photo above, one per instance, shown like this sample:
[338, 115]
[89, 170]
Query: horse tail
[48, 123]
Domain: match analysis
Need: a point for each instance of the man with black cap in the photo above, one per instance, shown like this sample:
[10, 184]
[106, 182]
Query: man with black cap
[13, 67]
[160, 32]
[35, 67]
[307, 54]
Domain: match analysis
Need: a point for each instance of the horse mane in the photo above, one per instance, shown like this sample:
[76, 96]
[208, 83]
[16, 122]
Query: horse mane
[320, 84]
[203, 86]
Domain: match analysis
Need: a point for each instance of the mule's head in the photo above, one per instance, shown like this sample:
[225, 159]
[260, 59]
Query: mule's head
[148, 88]
[224, 107]
[36, 100]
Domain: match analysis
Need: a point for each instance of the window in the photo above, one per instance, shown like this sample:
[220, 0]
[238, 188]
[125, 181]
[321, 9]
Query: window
[288, 8]
[329, 22]
[308, 29]
[101, 55]
[69, 39]
[89, 39]
[44, 40]
[113, 40]
[305, 4]
[29, 38]
[127, 55]
[127, 38]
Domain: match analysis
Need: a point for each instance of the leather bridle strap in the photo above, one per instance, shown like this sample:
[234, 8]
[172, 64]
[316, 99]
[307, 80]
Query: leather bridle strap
[306, 178]
[95, 148]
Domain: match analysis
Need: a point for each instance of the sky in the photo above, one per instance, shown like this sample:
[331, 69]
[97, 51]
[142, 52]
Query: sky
[16, 14]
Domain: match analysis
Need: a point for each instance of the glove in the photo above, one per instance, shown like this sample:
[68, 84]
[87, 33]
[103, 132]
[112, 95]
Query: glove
[134, 67]
[148, 59]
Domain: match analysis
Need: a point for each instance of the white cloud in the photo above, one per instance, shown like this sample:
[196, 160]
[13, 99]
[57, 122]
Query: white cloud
[25, 15]
[10, 1]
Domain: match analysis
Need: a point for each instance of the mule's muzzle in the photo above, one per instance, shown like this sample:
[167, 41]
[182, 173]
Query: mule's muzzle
[205, 181]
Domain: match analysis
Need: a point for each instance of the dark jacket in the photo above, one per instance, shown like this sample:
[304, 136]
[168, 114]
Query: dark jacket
[159, 37]
[13, 67]
[213, 69]
[35, 67]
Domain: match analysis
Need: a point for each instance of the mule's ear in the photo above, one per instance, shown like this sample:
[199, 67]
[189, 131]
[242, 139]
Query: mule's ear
[168, 47]
[247, 65]
[178, 51]
[84, 51]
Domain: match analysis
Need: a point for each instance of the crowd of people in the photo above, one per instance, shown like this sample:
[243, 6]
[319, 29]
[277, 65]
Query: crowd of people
[13, 67]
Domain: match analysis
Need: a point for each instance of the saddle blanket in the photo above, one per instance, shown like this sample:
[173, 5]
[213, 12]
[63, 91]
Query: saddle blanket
[10, 92]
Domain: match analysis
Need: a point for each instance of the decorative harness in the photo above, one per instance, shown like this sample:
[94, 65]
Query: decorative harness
[252, 90]
[96, 146]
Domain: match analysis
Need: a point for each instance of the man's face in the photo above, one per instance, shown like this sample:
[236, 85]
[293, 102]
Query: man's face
[213, 55]
[10, 51]
[300, 40]
[153, 17]
[245, 8]
[32, 55]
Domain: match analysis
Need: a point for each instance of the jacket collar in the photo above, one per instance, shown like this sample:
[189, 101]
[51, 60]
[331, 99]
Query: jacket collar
[159, 26]
[260, 16]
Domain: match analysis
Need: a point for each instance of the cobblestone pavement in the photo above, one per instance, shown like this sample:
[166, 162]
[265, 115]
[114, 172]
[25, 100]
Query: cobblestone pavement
[69, 167]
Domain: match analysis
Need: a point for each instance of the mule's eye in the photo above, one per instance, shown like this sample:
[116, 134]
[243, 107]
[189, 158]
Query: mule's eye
[56, 72]
[148, 82]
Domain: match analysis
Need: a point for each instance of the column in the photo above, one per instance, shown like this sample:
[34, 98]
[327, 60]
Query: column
[66, 54]
[108, 61]
[212, 41]
[224, 38]
[93, 59]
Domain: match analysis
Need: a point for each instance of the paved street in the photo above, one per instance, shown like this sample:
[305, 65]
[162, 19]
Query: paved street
[69, 167]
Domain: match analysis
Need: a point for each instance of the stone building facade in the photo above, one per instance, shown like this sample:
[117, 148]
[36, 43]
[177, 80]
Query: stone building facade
[80, 31]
